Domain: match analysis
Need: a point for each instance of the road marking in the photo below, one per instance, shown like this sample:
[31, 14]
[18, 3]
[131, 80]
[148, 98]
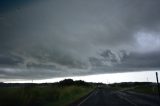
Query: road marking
[121, 95]
[95, 92]
[87, 98]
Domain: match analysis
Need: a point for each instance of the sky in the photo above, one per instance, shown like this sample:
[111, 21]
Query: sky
[45, 39]
[143, 76]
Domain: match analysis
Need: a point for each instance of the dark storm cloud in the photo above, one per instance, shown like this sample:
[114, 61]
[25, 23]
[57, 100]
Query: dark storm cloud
[9, 60]
[7, 5]
[77, 37]
[143, 60]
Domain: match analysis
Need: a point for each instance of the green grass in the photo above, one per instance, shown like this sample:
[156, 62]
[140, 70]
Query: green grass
[140, 87]
[42, 96]
[146, 90]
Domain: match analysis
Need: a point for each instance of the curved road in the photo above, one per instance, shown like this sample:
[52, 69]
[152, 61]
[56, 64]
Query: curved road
[107, 97]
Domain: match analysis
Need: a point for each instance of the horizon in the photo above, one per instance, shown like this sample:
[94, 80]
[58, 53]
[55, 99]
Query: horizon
[148, 76]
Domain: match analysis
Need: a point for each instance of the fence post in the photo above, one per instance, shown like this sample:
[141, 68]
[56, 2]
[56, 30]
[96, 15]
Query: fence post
[157, 84]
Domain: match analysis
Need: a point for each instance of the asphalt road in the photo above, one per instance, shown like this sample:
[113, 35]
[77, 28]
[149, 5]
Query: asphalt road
[107, 97]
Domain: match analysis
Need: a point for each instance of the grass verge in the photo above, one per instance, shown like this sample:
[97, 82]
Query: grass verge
[146, 89]
[41, 95]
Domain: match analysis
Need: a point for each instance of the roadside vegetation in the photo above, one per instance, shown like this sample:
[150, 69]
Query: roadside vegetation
[56, 94]
[146, 89]
[140, 87]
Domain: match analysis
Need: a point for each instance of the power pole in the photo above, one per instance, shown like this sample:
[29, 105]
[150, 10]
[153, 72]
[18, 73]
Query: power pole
[157, 84]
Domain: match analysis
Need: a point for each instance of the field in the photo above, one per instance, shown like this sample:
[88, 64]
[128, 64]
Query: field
[51, 95]
[146, 90]
[140, 87]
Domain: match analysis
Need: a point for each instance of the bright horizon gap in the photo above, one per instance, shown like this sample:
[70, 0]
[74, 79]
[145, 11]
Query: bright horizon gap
[143, 76]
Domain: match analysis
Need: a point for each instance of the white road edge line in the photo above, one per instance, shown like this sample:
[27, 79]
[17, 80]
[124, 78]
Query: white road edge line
[86, 98]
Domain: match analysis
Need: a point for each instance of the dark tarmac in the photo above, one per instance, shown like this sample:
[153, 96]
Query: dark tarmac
[108, 97]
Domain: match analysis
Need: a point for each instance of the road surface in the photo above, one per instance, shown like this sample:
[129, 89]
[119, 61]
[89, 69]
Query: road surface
[107, 97]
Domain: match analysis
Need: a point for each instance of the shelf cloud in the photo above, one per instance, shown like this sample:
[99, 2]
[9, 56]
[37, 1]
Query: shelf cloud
[44, 39]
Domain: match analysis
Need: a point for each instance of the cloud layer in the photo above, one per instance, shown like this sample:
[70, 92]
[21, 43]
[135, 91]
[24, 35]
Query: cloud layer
[42, 39]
